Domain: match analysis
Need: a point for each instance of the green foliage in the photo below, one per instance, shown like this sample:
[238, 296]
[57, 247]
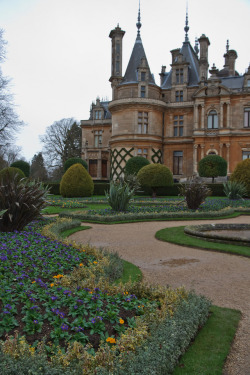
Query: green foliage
[119, 195]
[194, 192]
[54, 187]
[100, 188]
[114, 269]
[13, 171]
[36, 364]
[212, 166]
[155, 176]
[134, 164]
[167, 341]
[68, 163]
[76, 182]
[242, 174]
[23, 165]
[23, 201]
[235, 190]
[37, 169]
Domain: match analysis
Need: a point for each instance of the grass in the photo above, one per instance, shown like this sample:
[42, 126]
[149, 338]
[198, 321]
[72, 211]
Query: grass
[177, 236]
[68, 232]
[206, 356]
[130, 272]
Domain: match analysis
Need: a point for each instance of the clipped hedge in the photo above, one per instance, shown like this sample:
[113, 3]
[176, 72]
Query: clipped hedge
[169, 339]
[54, 187]
[100, 188]
[23, 165]
[217, 190]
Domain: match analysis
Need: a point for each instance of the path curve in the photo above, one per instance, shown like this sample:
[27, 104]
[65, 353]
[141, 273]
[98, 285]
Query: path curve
[223, 278]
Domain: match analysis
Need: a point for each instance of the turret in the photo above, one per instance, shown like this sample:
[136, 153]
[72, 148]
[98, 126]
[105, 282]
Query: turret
[116, 64]
[203, 62]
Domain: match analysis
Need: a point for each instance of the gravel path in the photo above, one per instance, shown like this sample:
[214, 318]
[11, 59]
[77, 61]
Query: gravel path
[223, 278]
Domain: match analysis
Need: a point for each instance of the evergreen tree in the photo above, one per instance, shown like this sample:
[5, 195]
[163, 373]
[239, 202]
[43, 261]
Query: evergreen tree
[38, 170]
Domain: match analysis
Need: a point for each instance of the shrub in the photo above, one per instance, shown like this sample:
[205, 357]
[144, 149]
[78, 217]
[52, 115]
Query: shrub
[134, 164]
[100, 188]
[12, 171]
[235, 190]
[155, 176]
[22, 201]
[119, 195]
[68, 163]
[194, 192]
[242, 174]
[212, 166]
[23, 165]
[76, 182]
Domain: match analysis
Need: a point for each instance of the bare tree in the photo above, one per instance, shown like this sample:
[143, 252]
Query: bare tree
[9, 154]
[9, 121]
[61, 141]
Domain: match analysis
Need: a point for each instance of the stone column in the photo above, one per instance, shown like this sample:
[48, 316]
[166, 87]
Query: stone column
[195, 159]
[228, 115]
[228, 156]
[221, 147]
[202, 151]
[196, 117]
[221, 116]
[202, 116]
[99, 165]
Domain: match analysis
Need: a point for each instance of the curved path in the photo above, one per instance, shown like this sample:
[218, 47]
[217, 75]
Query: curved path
[223, 278]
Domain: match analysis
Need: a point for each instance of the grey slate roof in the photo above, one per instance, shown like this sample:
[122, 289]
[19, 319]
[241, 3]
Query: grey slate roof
[233, 82]
[107, 114]
[138, 53]
[193, 73]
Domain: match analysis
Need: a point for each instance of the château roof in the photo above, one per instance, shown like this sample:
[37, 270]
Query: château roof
[233, 82]
[190, 57]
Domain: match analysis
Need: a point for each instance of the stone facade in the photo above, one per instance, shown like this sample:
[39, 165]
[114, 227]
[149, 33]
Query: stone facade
[187, 117]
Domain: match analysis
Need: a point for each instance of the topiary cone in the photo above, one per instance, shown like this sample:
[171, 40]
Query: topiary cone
[76, 182]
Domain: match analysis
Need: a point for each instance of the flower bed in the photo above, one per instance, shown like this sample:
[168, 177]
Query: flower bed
[56, 300]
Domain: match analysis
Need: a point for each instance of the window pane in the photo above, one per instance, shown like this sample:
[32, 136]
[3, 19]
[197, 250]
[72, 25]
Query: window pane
[145, 128]
[246, 118]
[175, 131]
[175, 117]
[139, 128]
[139, 150]
[178, 153]
[143, 76]
[180, 131]
[96, 140]
[215, 121]
[209, 122]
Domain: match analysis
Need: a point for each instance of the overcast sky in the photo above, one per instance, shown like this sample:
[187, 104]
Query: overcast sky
[59, 52]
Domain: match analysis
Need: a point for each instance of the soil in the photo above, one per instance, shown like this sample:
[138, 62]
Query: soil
[223, 278]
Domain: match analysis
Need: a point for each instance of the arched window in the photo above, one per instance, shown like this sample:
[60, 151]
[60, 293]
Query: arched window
[212, 120]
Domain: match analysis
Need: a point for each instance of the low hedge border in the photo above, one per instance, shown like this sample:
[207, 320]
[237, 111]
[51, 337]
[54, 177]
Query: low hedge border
[167, 342]
[148, 216]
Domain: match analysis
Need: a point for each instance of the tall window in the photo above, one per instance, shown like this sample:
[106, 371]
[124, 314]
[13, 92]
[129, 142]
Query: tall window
[247, 117]
[178, 162]
[143, 76]
[142, 152]
[248, 83]
[179, 96]
[178, 126]
[143, 91]
[245, 155]
[98, 115]
[143, 122]
[98, 138]
[179, 75]
[212, 120]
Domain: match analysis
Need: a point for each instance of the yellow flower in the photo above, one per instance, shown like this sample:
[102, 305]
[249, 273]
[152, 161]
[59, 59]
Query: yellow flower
[81, 264]
[95, 262]
[52, 284]
[33, 282]
[121, 321]
[111, 340]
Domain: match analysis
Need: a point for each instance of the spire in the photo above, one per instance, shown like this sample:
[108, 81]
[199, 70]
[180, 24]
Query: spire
[196, 47]
[138, 25]
[186, 28]
[227, 46]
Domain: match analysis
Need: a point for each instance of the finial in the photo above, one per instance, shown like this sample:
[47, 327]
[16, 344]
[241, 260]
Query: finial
[186, 28]
[138, 25]
[196, 47]
[227, 46]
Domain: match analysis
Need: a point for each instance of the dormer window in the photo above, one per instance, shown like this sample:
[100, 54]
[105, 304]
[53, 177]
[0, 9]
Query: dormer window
[248, 83]
[212, 120]
[98, 138]
[143, 76]
[179, 76]
[98, 115]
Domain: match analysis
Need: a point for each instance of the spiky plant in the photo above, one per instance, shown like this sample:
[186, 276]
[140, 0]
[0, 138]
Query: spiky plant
[22, 200]
[235, 189]
[119, 195]
[194, 192]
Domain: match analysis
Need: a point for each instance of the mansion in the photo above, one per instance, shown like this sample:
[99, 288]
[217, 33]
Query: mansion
[196, 111]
